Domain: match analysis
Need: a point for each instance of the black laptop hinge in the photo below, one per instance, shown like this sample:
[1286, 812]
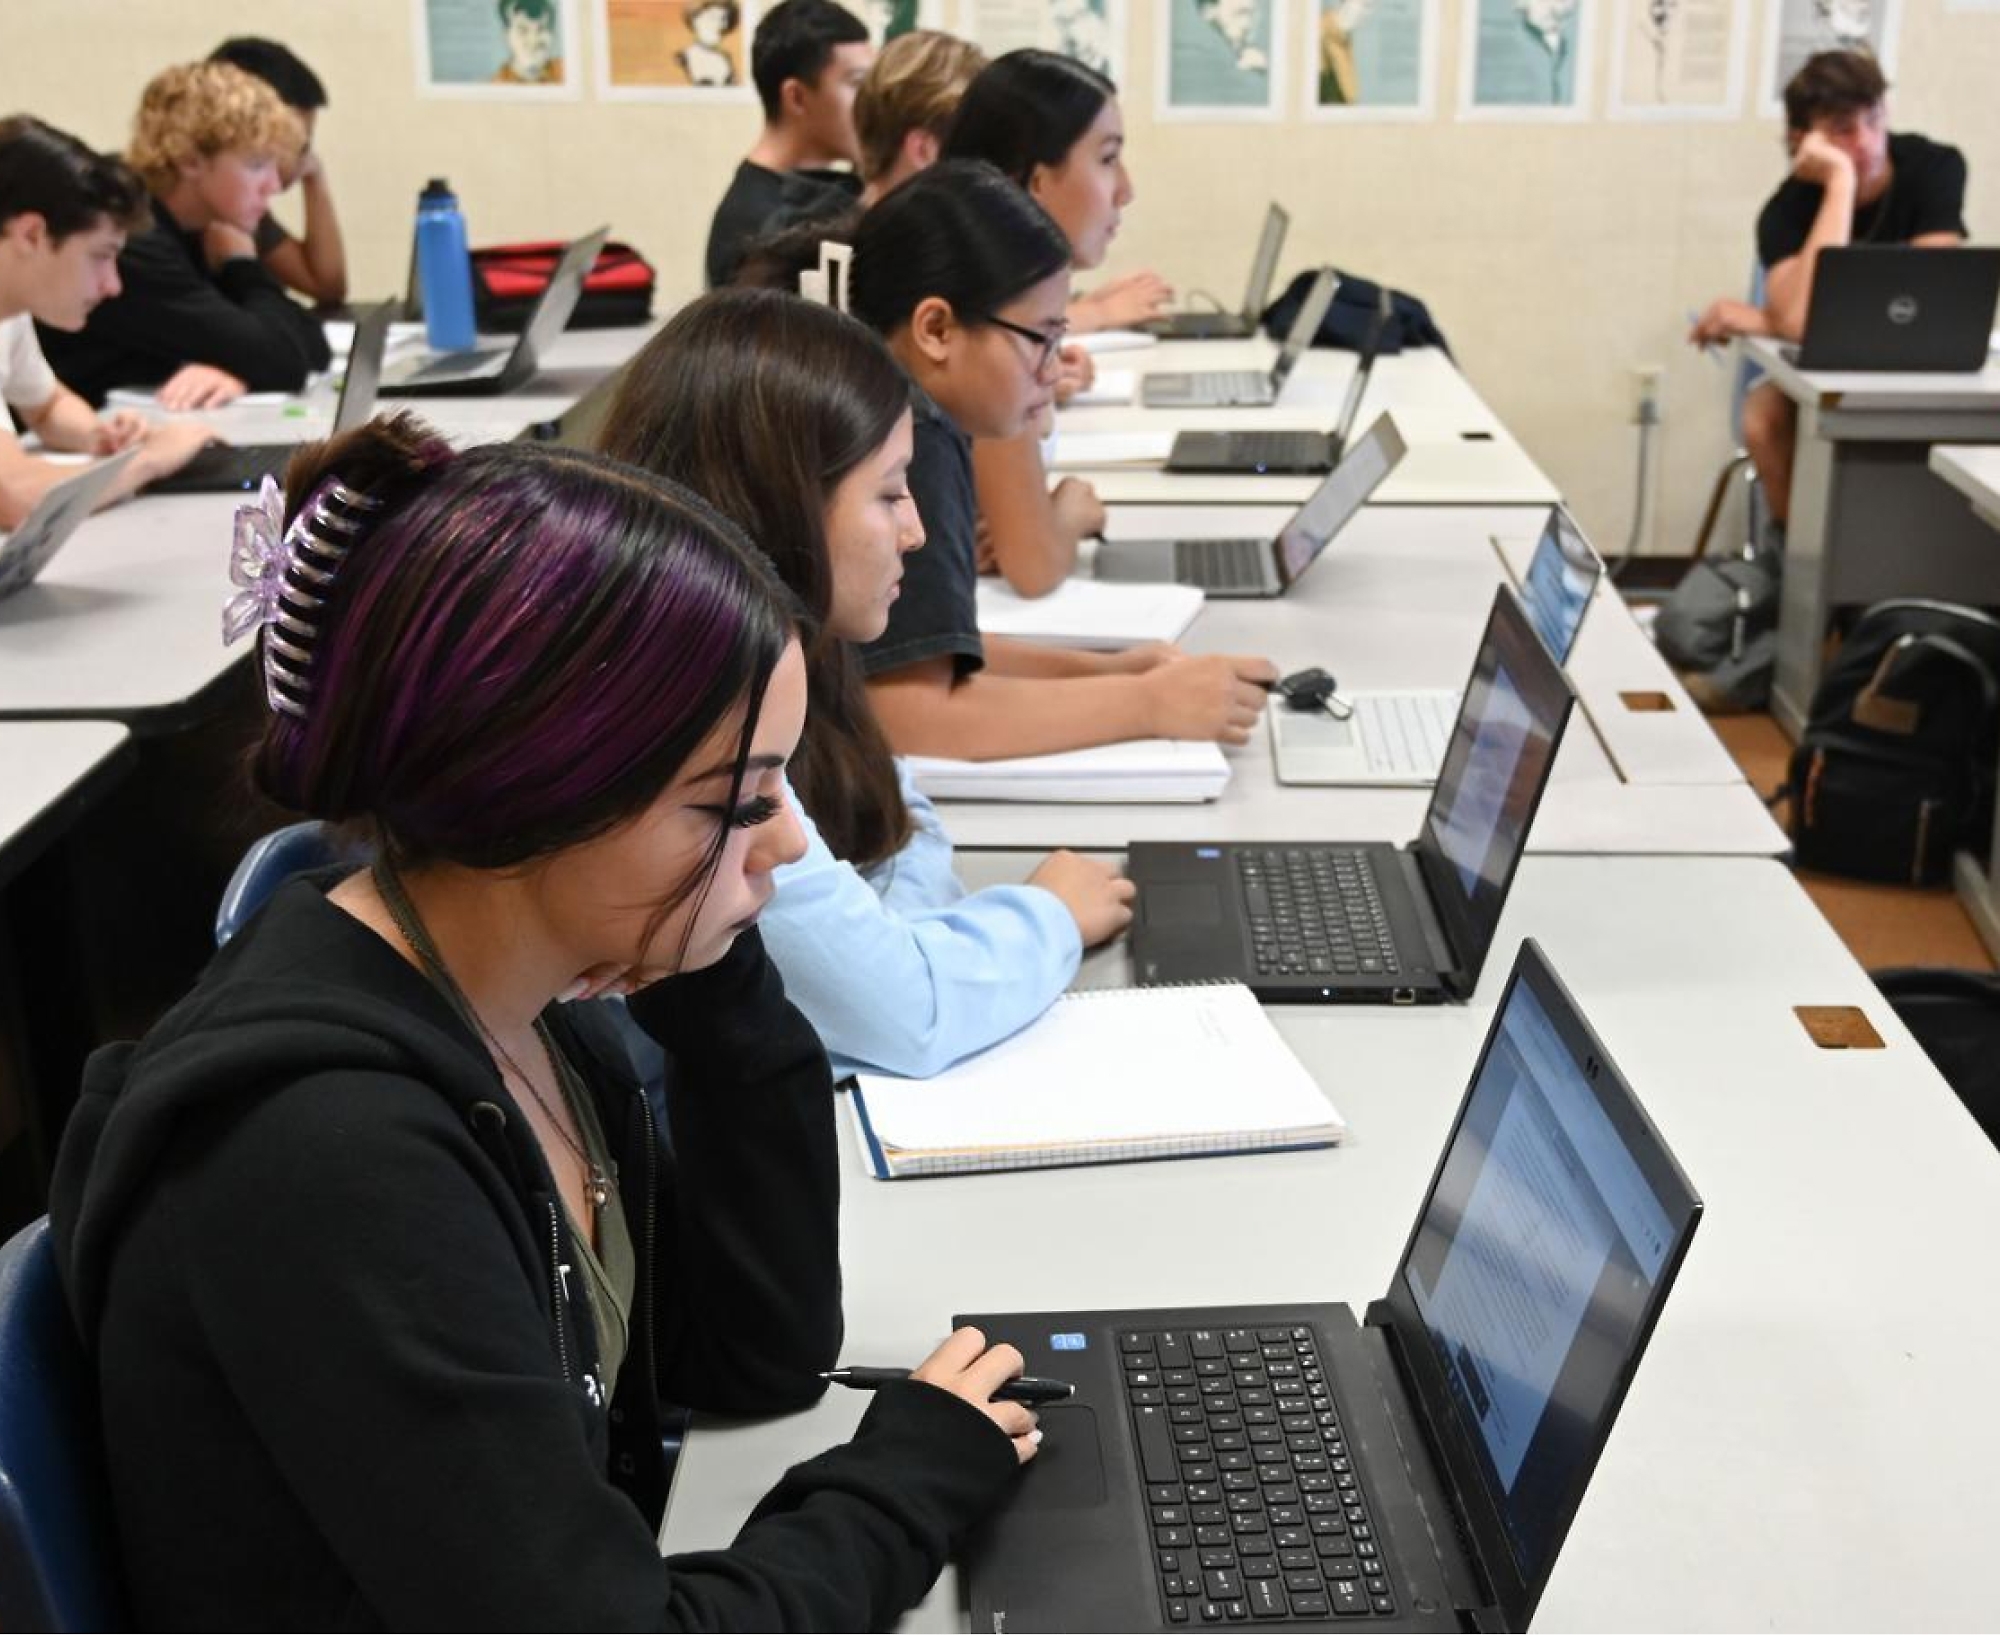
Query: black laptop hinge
[1444, 958]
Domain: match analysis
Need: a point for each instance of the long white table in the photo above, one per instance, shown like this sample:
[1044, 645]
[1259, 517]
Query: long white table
[1975, 473]
[1869, 518]
[1399, 600]
[1807, 1444]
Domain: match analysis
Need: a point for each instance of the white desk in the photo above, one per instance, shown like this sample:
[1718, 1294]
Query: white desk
[1459, 452]
[1399, 600]
[1975, 473]
[1869, 519]
[1814, 1396]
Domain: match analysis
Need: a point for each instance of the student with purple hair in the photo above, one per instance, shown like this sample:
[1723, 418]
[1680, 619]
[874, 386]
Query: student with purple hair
[382, 1264]
[795, 421]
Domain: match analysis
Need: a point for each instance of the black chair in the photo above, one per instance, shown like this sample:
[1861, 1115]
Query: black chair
[58, 1546]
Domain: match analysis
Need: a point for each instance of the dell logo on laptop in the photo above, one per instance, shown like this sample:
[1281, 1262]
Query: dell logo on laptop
[1903, 310]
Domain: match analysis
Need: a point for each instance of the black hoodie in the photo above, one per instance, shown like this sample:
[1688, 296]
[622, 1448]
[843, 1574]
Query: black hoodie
[347, 1372]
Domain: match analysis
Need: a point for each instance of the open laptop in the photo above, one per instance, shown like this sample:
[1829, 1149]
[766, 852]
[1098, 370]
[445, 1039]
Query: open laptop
[488, 371]
[1891, 307]
[54, 517]
[1324, 922]
[1234, 326]
[1243, 388]
[1287, 453]
[223, 468]
[1257, 565]
[1416, 1468]
[1396, 736]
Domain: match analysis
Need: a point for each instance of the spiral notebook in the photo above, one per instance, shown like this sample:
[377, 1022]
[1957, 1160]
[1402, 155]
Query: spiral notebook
[1105, 1076]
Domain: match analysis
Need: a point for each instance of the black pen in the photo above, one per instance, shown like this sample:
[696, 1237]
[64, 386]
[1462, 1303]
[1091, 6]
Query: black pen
[1035, 1392]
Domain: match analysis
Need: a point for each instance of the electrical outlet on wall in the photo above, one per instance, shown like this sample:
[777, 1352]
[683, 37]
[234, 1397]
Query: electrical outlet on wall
[1646, 382]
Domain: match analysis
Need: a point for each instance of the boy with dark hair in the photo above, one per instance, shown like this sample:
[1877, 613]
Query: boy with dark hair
[808, 58]
[64, 214]
[1852, 181]
[315, 263]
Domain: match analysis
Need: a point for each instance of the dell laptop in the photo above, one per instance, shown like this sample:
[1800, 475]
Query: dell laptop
[1287, 453]
[1243, 388]
[1321, 922]
[488, 371]
[224, 468]
[1257, 565]
[55, 516]
[1388, 737]
[1891, 307]
[1233, 326]
[1415, 1468]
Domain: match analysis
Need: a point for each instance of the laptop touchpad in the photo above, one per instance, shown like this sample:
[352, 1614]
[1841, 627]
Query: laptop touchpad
[1068, 1474]
[1173, 906]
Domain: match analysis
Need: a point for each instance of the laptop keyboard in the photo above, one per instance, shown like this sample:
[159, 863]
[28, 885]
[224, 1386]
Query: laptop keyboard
[1255, 1509]
[1267, 449]
[1219, 386]
[454, 364]
[1405, 733]
[1314, 911]
[1222, 564]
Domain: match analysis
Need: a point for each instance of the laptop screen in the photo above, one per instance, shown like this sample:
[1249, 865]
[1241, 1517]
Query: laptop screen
[1264, 265]
[1502, 746]
[1311, 313]
[1341, 493]
[1555, 1222]
[1562, 576]
[1357, 383]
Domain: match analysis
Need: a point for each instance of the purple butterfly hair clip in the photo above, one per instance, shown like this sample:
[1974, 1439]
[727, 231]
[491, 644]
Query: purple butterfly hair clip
[259, 553]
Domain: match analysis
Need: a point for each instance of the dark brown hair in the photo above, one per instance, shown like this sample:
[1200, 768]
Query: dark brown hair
[1831, 83]
[762, 402]
[71, 187]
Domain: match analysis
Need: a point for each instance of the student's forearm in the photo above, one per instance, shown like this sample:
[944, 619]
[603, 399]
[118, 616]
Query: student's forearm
[321, 245]
[986, 717]
[1008, 657]
[1029, 548]
[65, 423]
[24, 479]
[1788, 287]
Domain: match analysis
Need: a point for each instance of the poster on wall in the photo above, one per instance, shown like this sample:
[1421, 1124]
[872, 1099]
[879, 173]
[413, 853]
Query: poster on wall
[1092, 31]
[522, 49]
[886, 19]
[1525, 59]
[1371, 59]
[675, 50]
[1679, 59]
[1221, 59]
[1798, 28]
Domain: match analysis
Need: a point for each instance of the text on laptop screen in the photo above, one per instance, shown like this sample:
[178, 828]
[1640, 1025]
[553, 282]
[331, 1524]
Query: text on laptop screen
[1556, 593]
[1336, 499]
[1486, 782]
[1532, 1269]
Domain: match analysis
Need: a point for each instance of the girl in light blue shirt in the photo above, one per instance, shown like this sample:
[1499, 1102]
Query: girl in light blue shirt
[796, 422]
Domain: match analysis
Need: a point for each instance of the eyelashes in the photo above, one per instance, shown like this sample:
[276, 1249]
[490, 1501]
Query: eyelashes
[753, 812]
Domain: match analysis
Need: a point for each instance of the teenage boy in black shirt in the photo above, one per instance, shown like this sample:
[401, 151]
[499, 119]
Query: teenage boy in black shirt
[808, 59]
[1852, 182]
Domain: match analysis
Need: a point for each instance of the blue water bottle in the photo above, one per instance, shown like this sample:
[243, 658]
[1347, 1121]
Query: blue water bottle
[444, 267]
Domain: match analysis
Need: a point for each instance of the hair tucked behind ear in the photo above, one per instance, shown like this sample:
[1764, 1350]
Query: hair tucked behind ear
[1026, 109]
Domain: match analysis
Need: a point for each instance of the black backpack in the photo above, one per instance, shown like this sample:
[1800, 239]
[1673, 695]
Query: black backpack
[1895, 769]
[1955, 1016]
[1348, 320]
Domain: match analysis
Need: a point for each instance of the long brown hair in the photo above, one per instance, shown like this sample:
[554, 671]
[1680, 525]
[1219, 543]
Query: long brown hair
[762, 402]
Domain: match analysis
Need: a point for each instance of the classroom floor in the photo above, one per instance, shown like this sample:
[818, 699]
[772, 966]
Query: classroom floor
[1881, 925]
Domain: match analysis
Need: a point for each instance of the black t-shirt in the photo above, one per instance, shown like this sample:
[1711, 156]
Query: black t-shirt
[1926, 195]
[756, 200]
[937, 615]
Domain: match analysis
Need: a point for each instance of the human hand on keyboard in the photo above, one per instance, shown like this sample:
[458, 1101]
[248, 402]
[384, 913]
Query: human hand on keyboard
[1097, 896]
[1213, 696]
[966, 1368]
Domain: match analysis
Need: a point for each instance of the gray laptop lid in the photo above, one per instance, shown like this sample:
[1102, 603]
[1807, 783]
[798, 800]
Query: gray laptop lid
[1561, 579]
[1264, 265]
[1341, 493]
[1899, 308]
[552, 312]
[1312, 310]
[56, 515]
[1553, 1229]
[364, 367]
[1357, 383]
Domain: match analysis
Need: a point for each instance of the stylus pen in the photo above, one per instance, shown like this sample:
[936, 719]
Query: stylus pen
[1026, 1389]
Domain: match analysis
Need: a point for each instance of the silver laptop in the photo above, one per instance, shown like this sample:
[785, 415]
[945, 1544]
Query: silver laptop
[488, 371]
[1397, 738]
[1253, 565]
[56, 515]
[1243, 388]
[1234, 326]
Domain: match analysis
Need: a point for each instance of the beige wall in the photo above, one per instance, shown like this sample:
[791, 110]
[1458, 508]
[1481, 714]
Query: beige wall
[1558, 258]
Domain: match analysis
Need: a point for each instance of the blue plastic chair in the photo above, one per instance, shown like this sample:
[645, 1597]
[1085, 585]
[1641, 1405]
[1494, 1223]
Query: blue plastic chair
[58, 1545]
[268, 864]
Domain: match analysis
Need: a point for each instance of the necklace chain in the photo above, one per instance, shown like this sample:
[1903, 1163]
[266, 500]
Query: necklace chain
[598, 1182]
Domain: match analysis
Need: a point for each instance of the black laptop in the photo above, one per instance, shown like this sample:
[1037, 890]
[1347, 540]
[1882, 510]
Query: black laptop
[1234, 326]
[224, 468]
[1320, 922]
[1418, 1468]
[1287, 453]
[1893, 308]
[489, 371]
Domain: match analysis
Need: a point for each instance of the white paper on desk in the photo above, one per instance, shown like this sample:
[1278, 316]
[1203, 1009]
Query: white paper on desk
[1114, 340]
[1143, 769]
[1111, 387]
[1085, 613]
[142, 397]
[1086, 450]
[340, 337]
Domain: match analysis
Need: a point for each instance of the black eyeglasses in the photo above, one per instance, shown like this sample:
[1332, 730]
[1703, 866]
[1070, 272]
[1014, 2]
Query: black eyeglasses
[1049, 342]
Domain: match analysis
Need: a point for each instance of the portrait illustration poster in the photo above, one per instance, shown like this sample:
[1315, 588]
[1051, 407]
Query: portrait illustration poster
[507, 49]
[675, 50]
